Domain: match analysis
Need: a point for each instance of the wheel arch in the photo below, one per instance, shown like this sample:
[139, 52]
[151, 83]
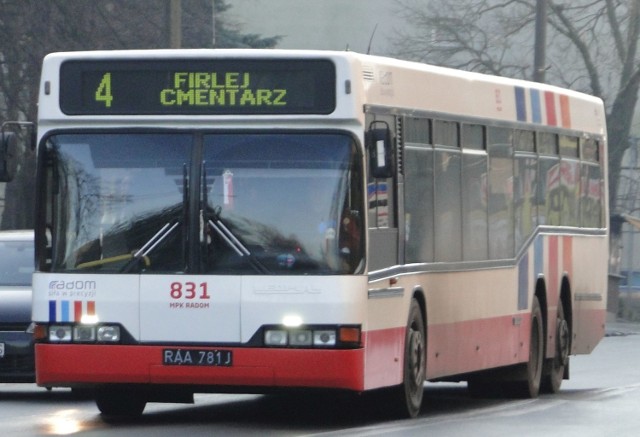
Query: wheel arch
[418, 294]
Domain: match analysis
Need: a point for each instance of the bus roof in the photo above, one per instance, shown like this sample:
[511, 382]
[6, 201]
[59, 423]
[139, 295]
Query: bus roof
[414, 87]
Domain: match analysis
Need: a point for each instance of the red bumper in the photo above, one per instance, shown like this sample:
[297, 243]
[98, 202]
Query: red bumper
[64, 365]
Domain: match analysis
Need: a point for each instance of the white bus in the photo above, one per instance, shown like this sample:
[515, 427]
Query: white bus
[247, 220]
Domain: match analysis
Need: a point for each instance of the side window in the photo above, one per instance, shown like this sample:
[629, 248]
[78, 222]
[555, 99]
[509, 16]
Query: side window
[549, 210]
[591, 194]
[501, 218]
[475, 224]
[591, 184]
[524, 141]
[448, 191]
[589, 150]
[568, 146]
[569, 179]
[448, 222]
[418, 190]
[446, 133]
[380, 194]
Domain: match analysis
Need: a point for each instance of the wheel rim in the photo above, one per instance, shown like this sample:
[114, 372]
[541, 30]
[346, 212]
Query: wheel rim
[563, 341]
[416, 362]
[535, 354]
[535, 341]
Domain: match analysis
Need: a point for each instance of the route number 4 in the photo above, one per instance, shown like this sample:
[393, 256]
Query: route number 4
[103, 92]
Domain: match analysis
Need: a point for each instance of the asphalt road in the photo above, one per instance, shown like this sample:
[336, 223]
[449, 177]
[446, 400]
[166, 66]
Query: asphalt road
[601, 399]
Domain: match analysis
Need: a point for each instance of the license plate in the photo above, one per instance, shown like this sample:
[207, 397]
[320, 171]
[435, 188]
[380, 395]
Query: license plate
[1, 350]
[197, 357]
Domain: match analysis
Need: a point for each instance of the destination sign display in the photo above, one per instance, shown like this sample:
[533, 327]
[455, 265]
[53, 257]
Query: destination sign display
[196, 86]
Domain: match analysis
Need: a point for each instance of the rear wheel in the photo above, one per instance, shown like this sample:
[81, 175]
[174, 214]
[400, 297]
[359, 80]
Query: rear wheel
[556, 366]
[529, 387]
[119, 403]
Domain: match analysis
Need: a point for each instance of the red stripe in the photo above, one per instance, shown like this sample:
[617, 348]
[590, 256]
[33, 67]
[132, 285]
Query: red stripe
[77, 310]
[565, 112]
[550, 106]
[567, 255]
[455, 348]
[384, 357]
[57, 365]
[91, 307]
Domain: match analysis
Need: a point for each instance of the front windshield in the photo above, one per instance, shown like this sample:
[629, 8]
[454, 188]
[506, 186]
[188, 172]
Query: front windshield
[114, 193]
[292, 201]
[212, 203]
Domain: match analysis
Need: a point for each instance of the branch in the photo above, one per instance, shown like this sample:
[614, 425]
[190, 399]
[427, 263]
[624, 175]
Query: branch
[572, 34]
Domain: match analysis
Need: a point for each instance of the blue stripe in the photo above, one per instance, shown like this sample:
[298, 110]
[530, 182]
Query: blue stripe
[64, 311]
[52, 311]
[539, 255]
[521, 106]
[523, 282]
[536, 113]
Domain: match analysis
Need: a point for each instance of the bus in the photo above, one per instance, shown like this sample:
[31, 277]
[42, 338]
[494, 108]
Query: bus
[266, 220]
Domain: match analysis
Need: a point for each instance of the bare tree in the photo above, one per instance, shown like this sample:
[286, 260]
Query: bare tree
[592, 46]
[33, 28]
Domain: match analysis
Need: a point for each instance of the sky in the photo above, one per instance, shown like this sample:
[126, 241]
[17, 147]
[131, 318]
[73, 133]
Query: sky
[320, 24]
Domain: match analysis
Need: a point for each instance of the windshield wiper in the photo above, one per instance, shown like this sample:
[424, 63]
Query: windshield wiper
[234, 243]
[150, 245]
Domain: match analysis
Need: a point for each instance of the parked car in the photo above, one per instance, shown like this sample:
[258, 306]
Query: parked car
[17, 363]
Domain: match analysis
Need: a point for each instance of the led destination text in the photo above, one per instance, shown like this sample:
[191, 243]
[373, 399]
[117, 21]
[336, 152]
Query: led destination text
[197, 86]
[218, 89]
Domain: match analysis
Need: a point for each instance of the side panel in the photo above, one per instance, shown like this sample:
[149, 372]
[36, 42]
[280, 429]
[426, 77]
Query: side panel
[481, 319]
[589, 292]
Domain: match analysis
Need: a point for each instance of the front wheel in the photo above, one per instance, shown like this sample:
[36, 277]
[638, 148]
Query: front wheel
[119, 403]
[406, 399]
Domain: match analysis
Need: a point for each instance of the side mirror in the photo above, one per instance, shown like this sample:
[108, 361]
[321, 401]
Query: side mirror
[8, 161]
[378, 142]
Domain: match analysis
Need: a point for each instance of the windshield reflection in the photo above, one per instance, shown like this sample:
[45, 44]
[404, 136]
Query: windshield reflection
[292, 201]
[253, 204]
[112, 194]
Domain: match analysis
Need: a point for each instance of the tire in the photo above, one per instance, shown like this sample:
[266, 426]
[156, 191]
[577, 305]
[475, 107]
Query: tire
[555, 367]
[529, 387]
[406, 399]
[118, 403]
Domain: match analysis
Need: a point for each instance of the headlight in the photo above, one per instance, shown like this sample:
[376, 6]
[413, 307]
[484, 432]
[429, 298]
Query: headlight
[80, 333]
[109, 334]
[83, 333]
[300, 337]
[324, 338]
[60, 333]
[275, 337]
[310, 336]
